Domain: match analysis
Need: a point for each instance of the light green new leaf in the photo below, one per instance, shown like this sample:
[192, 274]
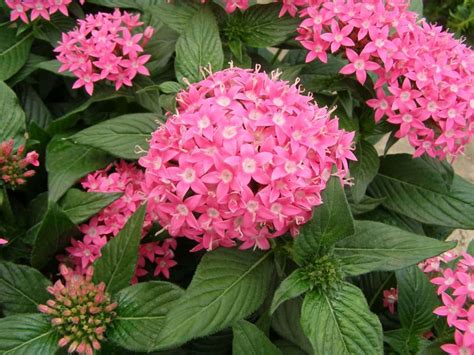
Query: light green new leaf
[416, 300]
[417, 189]
[22, 288]
[120, 136]
[331, 222]
[27, 334]
[380, 247]
[199, 46]
[67, 162]
[116, 266]
[249, 340]
[341, 323]
[141, 313]
[291, 287]
[79, 205]
[228, 285]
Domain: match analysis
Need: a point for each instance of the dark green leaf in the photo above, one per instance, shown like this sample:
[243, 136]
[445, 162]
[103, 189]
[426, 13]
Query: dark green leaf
[341, 323]
[286, 322]
[141, 313]
[199, 46]
[120, 136]
[331, 222]
[261, 26]
[380, 247]
[416, 6]
[15, 56]
[27, 69]
[53, 67]
[170, 87]
[364, 169]
[249, 340]
[27, 334]
[228, 285]
[79, 206]
[367, 204]
[52, 234]
[291, 287]
[34, 107]
[12, 117]
[22, 288]
[414, 188]
[176, 15]
[67, 162]
[398, 340]
[416, 300]
[50, 31]
[116, 266]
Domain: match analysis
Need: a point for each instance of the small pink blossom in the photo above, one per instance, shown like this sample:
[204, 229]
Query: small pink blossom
[390, 299]
[3, 241]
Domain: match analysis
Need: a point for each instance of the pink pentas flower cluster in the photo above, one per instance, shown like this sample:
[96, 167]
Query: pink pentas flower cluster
[105, 46]
[14, 165]
[244, 159]
[424, 76]
[455, 285]
[20, 9]
[125, 178]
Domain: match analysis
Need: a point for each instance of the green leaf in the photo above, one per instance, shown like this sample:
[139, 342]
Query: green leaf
[416, 300]
[398, 340]
[34, 107]
[67, 162]
[79, 206]
[53, 67]
[260, 26]
[416, 189]
[120, 136]
[380, 247]
[53, 234]
[367, 204]
[176, 15]
[50, 31]
[22, 288]
[331, 222]
[470, 248]
[116, 266]
[364, 169]
[249, 340]
[199, 46]
[27, 334]
[141, 313]
[342, 323]
[13, 58]
[228, 285]
[286, 322]
[147, 94]
[416, 6]
[291, 287]
[12, 117]
[170, 87]
[28, 68]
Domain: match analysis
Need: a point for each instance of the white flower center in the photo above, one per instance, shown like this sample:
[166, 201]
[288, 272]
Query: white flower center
[182, 210]
[359, 64]
[252, 206]
[338, 38]
[290, 167]
[249, 165]
[212, 212]
[189, 175]
[278, 119]
[405, 96]
[276, 208]
[204, 122]
[229, 132]
[407, 118]
[226, 176]
[223, 101]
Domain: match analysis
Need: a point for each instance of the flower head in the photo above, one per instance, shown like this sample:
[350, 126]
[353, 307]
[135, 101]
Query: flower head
[390, 299]
[37, 8]
[80, 312]
[14, 165]
[244, 159]
[105, 47]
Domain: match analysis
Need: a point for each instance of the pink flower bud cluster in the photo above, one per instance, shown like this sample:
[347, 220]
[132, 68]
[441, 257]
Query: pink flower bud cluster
[425, 81]
[456, 287]
[37, 8]
[105, 47]
[245, 158]
[125, 178]
[390, 299]
[80, 311]
[13, 166]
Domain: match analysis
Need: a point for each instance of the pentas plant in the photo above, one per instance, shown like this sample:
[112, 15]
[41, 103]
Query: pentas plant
[20, 9]
[105, 47]
[235, 196]
[244, 158]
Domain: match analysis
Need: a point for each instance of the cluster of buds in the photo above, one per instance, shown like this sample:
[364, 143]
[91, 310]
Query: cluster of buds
[37, 8]
[105, 47]
[80, 312]
[324, 274]
[13, 166]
